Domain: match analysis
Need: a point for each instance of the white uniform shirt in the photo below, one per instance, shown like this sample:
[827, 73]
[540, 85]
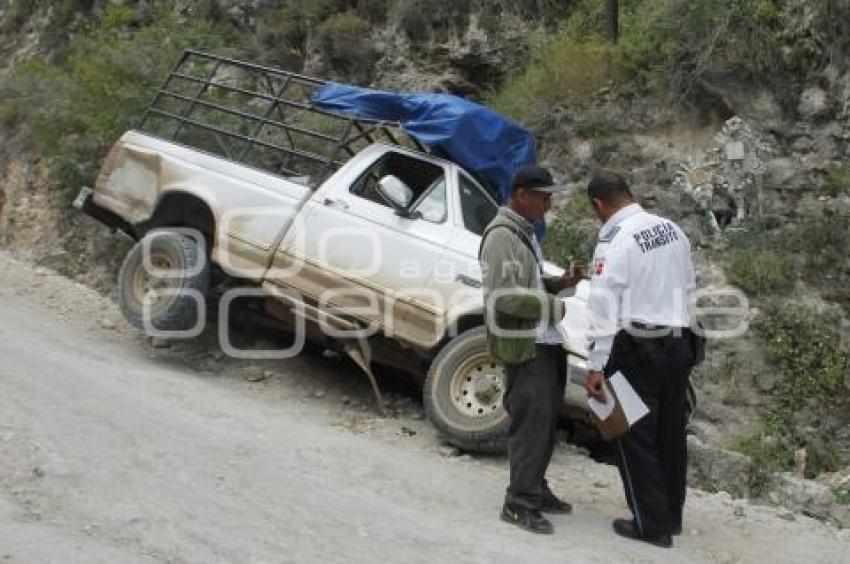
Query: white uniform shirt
[547, 334]
[641, 272]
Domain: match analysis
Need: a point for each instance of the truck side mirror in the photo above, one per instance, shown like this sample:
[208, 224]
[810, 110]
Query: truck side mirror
[396, 193]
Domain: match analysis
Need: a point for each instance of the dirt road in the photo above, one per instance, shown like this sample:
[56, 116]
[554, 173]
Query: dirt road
[111, 451]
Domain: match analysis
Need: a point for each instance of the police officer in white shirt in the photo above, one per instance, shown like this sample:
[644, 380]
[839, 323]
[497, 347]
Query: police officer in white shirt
[642, 278]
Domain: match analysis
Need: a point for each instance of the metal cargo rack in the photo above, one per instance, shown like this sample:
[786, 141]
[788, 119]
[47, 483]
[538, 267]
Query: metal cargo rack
[260, 116]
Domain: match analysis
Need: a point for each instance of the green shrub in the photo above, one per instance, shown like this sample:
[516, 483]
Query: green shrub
[17, 14]
[664, 46]
[434, 21]
[286, 30]
[838, 180]
[669, 45]
[762, 272]
[585, 18]
[672, 44]
[773, 449]
[842, 493]
[825, 243]
[68, 18]
[76, 107]
[770, 452]
[568, 237]
[344, 41]
[374, 11]
[281, 33]
[567, 73]
[412, 20]
[537, 10]
[805, 347]
[764, 261]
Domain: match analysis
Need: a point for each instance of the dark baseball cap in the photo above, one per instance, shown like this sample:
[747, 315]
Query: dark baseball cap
[537, 178]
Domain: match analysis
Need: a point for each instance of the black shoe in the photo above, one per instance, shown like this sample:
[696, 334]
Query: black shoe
[552, 504]
[676, 530]
[628, 528]
[528, 519]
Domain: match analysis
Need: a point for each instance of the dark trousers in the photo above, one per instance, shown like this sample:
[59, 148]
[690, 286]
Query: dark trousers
[534, 393]
[653, 456]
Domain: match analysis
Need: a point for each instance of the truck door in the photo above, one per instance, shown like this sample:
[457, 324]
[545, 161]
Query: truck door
[360, 256]
[457, 275]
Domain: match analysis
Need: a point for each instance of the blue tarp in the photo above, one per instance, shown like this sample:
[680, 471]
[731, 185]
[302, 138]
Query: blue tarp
[475, 137]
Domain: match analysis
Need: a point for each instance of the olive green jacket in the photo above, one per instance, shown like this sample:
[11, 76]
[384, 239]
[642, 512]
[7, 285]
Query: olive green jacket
[512, 298]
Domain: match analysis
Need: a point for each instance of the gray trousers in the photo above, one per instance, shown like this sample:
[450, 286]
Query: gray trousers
[534, 393]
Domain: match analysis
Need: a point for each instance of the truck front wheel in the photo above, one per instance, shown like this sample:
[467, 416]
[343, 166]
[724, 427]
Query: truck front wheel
[463, 395]
[167, 286]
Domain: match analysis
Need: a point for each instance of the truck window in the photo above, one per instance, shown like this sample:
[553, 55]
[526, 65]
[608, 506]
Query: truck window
[426, 180]
[432, 204]
[477, 208]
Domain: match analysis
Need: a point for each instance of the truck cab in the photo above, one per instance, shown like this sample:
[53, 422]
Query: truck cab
[370, 247]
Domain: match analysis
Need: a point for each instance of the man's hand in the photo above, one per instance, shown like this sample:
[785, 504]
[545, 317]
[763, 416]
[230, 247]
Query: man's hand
[593, 385]
[574, 274]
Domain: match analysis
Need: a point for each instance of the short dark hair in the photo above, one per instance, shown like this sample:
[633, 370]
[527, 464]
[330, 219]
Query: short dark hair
[608, 186]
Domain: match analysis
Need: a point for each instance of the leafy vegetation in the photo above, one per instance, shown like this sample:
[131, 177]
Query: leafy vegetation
[97, 88]
[838, 180]
[672, 44]
[284, 32]
[803, 344]
[765, 262]
[567, 73]
[669, 48]
[807, 347]
[812, 364]
[345, 42]
[18, 13]
[568, 237]
[842, 493]
[762, 272]
[421, 25]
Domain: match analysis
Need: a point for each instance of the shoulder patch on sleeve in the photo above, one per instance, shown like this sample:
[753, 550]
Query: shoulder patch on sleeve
[609, 236]
[598, 266]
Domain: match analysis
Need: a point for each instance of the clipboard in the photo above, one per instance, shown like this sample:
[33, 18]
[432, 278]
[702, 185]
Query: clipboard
[621, 409]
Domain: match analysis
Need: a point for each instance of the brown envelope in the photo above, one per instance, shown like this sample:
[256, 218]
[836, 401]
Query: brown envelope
[616, 424]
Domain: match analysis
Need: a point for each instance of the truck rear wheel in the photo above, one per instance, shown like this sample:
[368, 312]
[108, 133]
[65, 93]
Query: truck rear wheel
[173, 303]
[463, 395]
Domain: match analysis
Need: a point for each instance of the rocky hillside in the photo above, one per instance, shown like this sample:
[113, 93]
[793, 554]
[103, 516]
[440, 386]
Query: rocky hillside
[732, 117]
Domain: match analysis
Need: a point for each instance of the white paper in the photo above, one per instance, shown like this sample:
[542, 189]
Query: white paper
[633, 407]
[602, 410]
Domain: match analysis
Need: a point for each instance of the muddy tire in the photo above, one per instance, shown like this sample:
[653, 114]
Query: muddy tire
[189, 269]
[463, 395]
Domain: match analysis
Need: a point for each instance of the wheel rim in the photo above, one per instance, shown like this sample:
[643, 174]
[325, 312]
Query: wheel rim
[148, 285]
[478, 386]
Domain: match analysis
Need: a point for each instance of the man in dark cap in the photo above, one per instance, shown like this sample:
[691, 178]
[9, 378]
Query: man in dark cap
[521, 313]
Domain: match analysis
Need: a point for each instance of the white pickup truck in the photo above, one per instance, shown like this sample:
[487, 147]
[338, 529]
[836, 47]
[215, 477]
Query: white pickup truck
[378, 258]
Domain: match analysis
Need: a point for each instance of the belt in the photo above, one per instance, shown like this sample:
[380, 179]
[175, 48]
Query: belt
[649, 326]
[656, 331]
